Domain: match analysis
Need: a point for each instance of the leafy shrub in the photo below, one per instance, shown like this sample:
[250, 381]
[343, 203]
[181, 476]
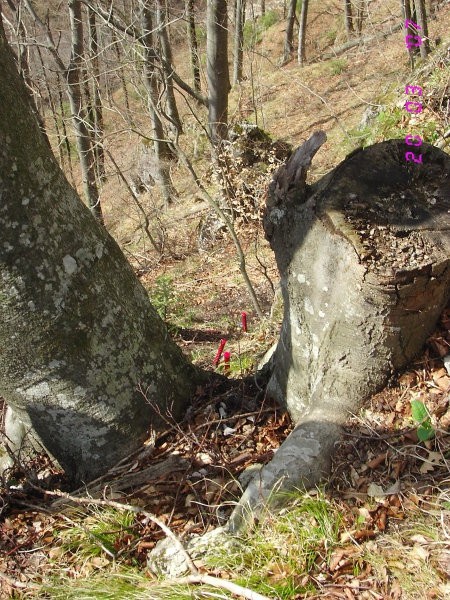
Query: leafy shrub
[331, 36]
[422, 419]
[268, 19]
[338, 65]
[254, 29]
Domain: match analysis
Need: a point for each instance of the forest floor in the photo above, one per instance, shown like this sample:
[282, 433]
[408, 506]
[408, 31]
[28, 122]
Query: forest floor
[380, 527]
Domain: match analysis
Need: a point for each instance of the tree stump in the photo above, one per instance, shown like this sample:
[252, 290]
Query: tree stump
[363, 257]
[364, 263]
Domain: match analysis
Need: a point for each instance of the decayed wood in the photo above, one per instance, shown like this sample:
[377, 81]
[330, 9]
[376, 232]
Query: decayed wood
[289, 181]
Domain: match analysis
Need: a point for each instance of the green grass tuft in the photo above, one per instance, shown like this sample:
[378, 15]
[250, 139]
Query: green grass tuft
[275, 557]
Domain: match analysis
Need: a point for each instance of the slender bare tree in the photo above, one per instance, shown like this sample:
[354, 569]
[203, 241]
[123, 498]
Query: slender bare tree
[95, 109]
[74, 77]
[193, 44]
[348, 18]
[72, 74]
[152, 79]
[302, 33]
[239, 41]
[289, 39]
[171, 111]
[217, 69]
[422, 21]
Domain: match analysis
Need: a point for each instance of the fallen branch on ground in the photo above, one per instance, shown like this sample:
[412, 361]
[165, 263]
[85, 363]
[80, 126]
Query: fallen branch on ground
[224, 584]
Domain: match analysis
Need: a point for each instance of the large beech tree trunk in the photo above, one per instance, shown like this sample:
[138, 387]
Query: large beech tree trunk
[364, 274]
[364, 259]
[78, 334]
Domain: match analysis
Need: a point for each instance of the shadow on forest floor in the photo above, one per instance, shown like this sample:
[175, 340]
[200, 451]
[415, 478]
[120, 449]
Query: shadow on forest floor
[383, 481]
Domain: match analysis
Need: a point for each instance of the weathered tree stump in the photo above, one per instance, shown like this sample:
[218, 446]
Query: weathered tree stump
[364, 262]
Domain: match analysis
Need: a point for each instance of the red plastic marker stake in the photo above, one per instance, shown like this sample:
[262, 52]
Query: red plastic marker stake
[226, 360]
[244, 321]
[219, 352]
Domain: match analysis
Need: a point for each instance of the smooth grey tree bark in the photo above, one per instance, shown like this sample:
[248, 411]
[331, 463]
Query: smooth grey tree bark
[217, 71]
[78, 334]
[366, 277]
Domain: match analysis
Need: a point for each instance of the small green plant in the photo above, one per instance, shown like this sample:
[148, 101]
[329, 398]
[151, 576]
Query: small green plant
[163, 295]
[338, 65]
[242, 364]
[268, 19]
[421, 416]
[97, 533]
[429, 132]
[386, 125]
[200, 33]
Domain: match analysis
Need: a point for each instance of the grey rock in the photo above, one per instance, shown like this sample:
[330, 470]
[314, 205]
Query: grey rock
[168, 560]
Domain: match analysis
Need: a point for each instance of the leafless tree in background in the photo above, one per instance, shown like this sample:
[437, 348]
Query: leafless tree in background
[289, 39]
[95, 107]
[171, 112]
[421, 15]
[75, 79]
[193, 44]
[163, 153]
[72, 74]
[302, 33]
[348, 18]
[239, 41]
[217, 69]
